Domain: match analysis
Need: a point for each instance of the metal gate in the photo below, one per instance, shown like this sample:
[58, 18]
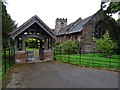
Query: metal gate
[36, 54]
[30, 56]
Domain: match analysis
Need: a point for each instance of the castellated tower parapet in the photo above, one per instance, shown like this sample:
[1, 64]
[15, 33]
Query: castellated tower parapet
[60, 23]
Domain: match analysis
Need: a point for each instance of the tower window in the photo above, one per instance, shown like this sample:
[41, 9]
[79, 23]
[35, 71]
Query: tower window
[62, 24]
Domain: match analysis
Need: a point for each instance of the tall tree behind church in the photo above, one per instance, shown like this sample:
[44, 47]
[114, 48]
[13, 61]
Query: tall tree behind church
[113, 8]
[7, 26]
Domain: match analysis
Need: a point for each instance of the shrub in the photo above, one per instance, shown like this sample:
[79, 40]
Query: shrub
[69, 46]
[56, 44]
[106, 45]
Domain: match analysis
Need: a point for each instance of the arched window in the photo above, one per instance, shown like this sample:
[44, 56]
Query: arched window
[99, 30]
[97, 33]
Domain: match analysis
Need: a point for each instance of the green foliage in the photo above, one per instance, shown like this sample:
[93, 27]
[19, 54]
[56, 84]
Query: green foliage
[69, 46]
[32, 43]
[56, 44]
[106, 45]
[118, 22]
[31, 40]
[113, 7]
[118, 34]
[8, 25]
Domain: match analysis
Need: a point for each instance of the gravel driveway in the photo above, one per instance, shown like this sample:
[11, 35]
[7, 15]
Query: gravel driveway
[60, 75]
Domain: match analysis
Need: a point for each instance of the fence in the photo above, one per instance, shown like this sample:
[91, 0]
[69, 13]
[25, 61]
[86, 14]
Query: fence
[96, 60]
[8, 59]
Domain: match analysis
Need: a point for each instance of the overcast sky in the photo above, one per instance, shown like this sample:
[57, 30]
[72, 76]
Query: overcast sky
[49, 10]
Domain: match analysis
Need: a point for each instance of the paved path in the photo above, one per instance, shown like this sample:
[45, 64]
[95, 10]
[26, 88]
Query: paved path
[59, 75]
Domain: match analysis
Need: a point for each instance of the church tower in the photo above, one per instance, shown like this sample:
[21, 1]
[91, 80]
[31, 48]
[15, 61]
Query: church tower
[60, 23]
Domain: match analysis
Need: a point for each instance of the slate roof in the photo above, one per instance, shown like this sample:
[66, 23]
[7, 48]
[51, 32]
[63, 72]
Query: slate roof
[74, 27]
[65, 29]
[28, 23]
[79, 25]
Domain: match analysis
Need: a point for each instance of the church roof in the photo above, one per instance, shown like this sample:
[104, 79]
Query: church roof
[75, 26]
[65, 29]
[79, 26]
[28, 23]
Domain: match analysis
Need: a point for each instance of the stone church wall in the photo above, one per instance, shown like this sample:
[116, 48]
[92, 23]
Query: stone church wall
[87, 34]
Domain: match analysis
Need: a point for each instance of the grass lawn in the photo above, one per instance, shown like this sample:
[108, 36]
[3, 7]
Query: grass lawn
[30, 49]
[91, 60]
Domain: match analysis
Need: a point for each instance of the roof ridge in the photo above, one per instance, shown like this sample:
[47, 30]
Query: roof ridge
[32, 20]
[43, 23]
[65, 27]
[76, 23]
[22, 25]
[82, 23]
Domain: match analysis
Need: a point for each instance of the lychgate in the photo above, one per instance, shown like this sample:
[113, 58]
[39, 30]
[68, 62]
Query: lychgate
[33, 28]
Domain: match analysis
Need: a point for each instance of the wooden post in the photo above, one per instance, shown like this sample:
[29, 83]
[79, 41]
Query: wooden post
[23, 43]
[48, 43]
[45, 44]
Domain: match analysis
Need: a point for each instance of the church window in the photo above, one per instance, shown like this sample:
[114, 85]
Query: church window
[99, 30]
[62, 24]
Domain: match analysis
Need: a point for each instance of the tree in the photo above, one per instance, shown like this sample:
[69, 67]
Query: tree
[113, 7]
[106, 45]
[118, 21]
[7, 26]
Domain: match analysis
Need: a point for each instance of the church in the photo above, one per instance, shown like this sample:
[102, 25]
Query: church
[82, 30]
[85, 30]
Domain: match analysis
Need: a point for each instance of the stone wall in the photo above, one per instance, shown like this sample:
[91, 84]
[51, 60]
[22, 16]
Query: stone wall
[48, 55]
[20, 57]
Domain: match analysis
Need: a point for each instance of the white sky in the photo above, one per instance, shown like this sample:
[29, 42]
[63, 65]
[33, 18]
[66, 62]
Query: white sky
[49, 10]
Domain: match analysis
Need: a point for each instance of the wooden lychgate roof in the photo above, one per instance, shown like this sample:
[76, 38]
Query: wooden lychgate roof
[28, 23]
